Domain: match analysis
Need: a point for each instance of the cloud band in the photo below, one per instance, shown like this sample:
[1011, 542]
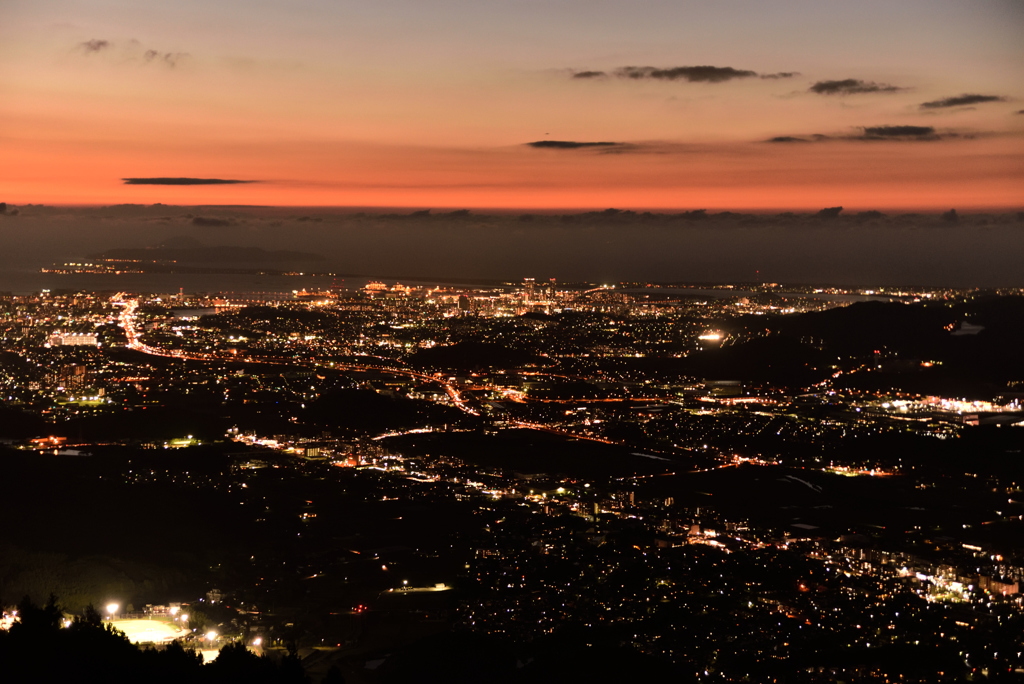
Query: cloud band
[184, 181]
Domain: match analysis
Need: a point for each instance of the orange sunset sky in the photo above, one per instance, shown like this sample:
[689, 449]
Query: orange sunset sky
[909, 105]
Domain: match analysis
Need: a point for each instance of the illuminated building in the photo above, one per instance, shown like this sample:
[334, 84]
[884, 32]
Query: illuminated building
[72, 340]
[528, 288]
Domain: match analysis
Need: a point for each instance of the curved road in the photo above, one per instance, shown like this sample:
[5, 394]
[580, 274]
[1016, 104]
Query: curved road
[127, 321]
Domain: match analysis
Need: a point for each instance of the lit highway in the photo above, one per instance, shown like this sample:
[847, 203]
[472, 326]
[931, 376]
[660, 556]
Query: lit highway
[127, 321]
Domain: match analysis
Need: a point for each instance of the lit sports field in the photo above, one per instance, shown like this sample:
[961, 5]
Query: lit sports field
[148, 631]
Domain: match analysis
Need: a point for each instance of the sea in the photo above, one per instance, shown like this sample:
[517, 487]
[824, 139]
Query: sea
[26, 282]
[720, 293]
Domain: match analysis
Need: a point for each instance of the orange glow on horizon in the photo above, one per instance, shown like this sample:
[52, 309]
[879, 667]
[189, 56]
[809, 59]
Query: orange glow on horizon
[969, 175]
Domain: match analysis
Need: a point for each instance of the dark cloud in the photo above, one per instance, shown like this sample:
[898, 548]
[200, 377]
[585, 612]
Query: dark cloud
[183, 181]
[171, 59]
[568, 144]
[817, 137]
[94, 45]
[872, 133]
[693, 74]
[961, 100]
[851, 86]
[900, 133]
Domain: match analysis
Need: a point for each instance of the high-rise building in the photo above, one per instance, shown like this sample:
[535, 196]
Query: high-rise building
[528, 288]
[72, 377]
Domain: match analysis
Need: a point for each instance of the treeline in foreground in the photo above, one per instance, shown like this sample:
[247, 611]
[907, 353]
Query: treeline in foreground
[40, 648]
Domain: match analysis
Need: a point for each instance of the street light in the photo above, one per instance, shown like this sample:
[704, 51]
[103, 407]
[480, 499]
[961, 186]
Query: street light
[112, 609]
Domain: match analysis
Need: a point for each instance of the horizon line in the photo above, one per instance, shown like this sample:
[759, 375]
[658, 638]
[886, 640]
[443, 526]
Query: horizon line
[483, 210]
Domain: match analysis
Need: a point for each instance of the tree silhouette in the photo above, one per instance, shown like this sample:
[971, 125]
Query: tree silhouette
[39, 648]
[333, 676]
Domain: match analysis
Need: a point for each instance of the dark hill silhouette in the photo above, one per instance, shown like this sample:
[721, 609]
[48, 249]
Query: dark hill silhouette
[473, 355]
[779, 360]
[531, 451]
[864, 327]
[569, 655]
[18, 424]
[977, 364]
[273, 317]
[367, 412]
